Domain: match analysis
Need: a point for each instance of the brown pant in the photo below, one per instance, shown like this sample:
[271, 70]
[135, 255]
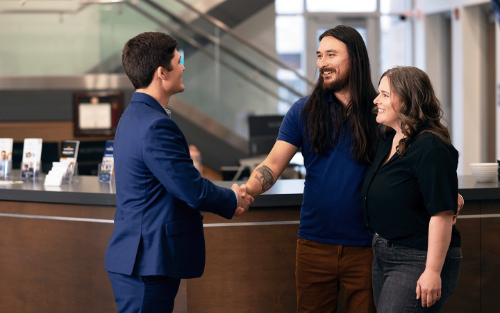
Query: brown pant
[322, 267]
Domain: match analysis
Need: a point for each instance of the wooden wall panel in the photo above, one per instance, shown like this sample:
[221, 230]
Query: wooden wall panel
[57, 131]
[467, 296]
[54, 266]
[58, 266]
[51, 266]
[490, 256]
[53, 209]
[249, 268]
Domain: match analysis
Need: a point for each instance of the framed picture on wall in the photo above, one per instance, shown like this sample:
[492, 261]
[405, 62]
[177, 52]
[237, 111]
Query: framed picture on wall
[96, 114]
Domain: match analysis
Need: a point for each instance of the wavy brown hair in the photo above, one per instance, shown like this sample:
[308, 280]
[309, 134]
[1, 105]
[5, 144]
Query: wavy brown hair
[326, 121]
[419, 111]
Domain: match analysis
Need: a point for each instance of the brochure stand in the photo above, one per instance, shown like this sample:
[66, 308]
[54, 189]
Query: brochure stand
[61, 172]
[72, 175]
[30, 171]
[105, 174]
[6, 145]
[6, 170]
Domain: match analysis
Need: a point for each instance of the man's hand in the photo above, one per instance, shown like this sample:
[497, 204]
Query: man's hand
[244, 199]
[461, 203]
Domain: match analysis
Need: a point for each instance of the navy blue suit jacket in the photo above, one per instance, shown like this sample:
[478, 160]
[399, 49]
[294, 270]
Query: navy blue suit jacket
[159, 195]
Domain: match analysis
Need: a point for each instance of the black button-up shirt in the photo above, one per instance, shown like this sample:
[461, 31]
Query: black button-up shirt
[400, 196]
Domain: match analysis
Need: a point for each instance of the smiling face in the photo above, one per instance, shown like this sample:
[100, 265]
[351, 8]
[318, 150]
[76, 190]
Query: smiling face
[333, 63]
[388, 105]
[175, 75]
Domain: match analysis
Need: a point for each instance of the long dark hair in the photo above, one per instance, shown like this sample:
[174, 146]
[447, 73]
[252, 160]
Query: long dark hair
[325, 122]
[419, 108]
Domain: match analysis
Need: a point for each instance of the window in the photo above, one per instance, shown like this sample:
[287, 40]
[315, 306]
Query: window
[289, 6]
[341, 5]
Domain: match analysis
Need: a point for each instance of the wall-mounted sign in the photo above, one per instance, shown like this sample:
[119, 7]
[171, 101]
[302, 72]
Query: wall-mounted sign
[96, 114]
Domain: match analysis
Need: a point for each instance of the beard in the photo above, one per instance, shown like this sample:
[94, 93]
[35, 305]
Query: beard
[338, 84]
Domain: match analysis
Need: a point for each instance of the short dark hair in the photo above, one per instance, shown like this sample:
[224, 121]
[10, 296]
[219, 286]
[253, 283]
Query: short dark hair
[144, 53]
[326, 122]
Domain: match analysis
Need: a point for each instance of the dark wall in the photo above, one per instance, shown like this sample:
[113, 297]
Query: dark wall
[37, 106]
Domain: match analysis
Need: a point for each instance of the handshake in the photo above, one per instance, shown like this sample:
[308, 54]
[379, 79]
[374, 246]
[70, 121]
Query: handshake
[244, 199]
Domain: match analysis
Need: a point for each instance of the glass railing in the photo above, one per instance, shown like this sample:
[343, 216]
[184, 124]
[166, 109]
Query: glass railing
[226, 78]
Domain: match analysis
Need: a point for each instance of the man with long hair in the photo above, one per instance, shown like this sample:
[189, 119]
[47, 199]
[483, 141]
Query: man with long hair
[338, 134]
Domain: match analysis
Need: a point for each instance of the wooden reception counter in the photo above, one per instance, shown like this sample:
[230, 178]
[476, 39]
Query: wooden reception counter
[53, 241]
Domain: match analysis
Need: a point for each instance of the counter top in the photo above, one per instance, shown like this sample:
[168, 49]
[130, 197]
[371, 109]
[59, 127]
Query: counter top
[288, 192]
[472, 190]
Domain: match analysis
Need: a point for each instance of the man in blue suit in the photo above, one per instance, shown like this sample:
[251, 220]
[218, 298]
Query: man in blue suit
[158, 237]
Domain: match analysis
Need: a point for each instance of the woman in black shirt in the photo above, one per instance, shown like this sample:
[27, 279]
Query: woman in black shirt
[409, 198]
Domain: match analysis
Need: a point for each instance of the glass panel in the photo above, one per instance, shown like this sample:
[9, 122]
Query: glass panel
[49, 44]
[290, 46]
[290, 34]
[228, 81]
[289, 6]
[394, 36]
[341, 5]
[385, 6]
[291, 79]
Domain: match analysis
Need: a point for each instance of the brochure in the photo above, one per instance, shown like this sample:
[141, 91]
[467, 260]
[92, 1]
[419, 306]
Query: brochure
[107, 165]
[69, 156]
[6, 157]
[32, 153]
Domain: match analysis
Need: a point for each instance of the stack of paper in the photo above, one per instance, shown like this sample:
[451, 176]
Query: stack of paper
[56, 174]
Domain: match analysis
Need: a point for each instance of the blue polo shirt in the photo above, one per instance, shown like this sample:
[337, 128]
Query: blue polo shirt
[331, 210]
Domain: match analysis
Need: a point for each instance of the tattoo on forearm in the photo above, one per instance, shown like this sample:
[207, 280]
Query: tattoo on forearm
[266, 177]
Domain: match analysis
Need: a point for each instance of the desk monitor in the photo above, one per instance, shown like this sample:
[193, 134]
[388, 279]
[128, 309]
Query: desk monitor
[263, 132]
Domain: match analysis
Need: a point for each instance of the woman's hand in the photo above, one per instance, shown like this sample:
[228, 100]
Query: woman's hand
[429, 288]
[429, 283]
[461, 203]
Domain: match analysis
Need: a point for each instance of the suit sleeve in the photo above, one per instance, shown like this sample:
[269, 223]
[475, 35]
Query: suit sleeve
[166, 154]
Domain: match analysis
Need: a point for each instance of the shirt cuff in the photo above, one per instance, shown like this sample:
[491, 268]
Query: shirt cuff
[236, 195]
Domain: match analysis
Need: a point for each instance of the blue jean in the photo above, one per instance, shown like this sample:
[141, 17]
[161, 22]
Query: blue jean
[396, 270]
[144, 294]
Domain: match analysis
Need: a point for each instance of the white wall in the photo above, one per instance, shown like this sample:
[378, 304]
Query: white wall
[457, 95]
[469, 70]
[437, 6]
[438, 65]
[474, 86]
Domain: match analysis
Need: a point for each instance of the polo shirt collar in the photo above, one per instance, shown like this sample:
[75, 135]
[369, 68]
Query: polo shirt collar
[145, 98]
